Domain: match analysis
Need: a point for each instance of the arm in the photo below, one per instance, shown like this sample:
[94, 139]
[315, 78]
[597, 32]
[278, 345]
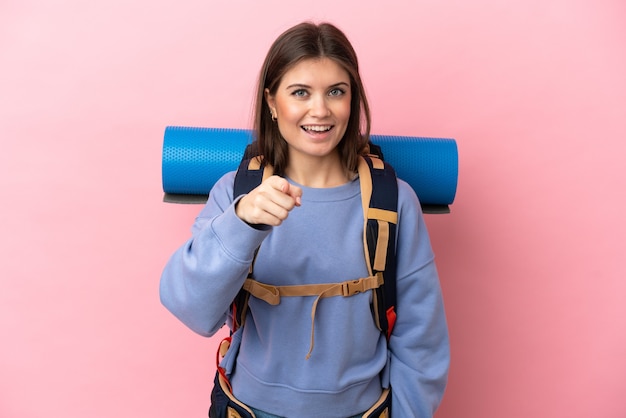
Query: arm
[203, 276]
[419, 346]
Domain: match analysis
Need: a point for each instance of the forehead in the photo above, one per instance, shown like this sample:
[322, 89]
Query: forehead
[315, 72]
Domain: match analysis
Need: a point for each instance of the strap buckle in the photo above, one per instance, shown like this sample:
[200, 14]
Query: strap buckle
[352, 287]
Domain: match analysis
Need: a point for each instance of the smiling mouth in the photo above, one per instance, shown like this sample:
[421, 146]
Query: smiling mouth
[317, 128]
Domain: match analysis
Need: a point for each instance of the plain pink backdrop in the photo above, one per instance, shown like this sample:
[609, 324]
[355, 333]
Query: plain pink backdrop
[531, 258]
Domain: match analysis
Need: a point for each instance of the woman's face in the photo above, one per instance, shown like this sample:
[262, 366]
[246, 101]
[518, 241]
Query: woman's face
[312, 105]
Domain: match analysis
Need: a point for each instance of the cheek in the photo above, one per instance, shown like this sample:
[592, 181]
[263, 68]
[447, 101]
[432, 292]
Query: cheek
[343, 112]
[288, 109]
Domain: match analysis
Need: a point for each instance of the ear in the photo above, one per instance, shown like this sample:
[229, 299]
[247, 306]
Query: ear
[271, 102]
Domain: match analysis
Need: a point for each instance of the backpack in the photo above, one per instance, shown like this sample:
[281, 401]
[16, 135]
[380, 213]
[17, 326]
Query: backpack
[379, 194]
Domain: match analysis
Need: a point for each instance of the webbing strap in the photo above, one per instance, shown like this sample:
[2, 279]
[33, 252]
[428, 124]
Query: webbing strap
[221, 353]
[365, 178]
[272, 294]
[380, 259]
[382, 216]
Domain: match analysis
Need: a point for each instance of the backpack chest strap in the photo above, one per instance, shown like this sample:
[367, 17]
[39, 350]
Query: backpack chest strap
[272, 294]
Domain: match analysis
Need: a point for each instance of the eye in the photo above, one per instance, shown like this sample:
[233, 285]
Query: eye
[336, 92]
[299, 93]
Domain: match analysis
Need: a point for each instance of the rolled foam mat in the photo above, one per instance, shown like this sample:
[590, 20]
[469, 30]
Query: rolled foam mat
[195, 158]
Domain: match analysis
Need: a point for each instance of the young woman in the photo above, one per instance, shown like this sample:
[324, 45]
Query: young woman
[312, 124]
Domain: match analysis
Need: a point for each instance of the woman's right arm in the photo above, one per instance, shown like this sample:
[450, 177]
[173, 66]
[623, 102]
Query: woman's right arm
[203, 276]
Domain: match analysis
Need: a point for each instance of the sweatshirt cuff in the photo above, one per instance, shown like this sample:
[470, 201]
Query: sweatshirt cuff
[238, 238]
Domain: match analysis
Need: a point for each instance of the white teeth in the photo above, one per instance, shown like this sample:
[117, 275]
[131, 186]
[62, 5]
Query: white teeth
[317, 128]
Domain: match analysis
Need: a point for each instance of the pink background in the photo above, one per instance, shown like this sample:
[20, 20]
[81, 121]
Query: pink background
[531, 258]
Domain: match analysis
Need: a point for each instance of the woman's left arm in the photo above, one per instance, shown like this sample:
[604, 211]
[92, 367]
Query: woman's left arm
[419, 346]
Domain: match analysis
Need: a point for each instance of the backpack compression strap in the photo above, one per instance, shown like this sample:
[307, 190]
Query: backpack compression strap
[379, 194]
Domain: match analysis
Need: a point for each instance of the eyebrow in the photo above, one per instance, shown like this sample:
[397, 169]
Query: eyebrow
[299, 85]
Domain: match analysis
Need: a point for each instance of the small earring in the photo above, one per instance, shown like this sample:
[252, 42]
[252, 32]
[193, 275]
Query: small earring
[274, 118]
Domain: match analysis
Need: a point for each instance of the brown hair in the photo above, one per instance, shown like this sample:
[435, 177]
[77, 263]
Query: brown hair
[303, 41]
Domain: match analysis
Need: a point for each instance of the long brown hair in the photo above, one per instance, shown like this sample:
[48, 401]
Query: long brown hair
[303, 41]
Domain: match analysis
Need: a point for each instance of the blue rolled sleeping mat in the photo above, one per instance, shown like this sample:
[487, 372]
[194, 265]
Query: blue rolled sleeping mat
[195, 158]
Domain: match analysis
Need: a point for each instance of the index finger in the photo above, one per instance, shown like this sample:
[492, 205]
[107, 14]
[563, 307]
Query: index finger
[285, 188]
[295, 192]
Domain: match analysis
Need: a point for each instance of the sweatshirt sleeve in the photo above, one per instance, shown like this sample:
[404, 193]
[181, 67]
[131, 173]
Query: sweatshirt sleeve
[419, 346]
[203, 276]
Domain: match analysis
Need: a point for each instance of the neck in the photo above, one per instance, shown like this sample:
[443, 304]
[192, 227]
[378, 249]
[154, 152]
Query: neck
[317, 172]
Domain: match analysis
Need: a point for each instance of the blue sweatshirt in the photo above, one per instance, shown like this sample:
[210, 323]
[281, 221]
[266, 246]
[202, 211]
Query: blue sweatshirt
[320, 242]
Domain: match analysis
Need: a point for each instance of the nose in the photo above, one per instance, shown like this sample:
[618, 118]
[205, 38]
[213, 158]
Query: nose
[319, 107]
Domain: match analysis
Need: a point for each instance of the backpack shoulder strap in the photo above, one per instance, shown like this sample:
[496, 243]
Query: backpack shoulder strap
[251, 173]
[379, 194]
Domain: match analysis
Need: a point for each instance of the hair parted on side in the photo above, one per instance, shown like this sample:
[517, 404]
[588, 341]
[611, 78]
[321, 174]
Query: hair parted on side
[304, 41]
